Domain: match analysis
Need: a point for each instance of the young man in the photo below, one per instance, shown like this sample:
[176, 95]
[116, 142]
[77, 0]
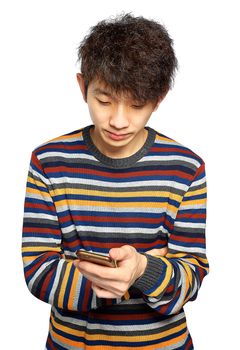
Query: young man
[117, 187]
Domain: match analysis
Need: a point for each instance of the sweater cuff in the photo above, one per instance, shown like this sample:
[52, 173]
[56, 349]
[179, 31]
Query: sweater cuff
[153, 273]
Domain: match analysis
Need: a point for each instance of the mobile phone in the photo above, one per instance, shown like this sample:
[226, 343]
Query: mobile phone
[96, 258]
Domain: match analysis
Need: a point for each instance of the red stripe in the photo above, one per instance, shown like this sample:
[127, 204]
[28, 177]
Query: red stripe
[59, 146]
[53, 231]
[110, 244]
[189, 215]
[45, 284]
[189, 344]
[92, 219]
[50, 343]
[187, 239]
[39, 206]
[38, 264]
[95, 172]
[122, 317]
[164, 308]
[170, 150]
[86, 295]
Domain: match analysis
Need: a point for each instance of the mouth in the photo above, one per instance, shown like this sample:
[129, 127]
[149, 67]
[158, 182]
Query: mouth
[116, 137]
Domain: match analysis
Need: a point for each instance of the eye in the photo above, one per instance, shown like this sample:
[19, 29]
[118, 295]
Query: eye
[103, 102]
[138, 106]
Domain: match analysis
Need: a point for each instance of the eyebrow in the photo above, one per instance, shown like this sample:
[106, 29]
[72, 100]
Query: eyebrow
[97, 91]
[100, 91]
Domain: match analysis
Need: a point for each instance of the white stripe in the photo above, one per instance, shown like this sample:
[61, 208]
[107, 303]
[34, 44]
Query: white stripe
[144, 159]
[181, 297]
[165, 142]
[62, 139]
[117, 184]
[170, 158]
[189, 224]
[40, 240]
[198, 182]
[73, 139]
[77, 293]
[126, 230]
[39, 196]
[184, 249]
[40, 176]
[56, 280]
[37, 273]
[40, 216]
[111, 209]
[63, 154]
[195, 206]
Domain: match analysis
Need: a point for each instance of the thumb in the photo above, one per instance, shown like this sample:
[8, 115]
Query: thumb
[122, 253]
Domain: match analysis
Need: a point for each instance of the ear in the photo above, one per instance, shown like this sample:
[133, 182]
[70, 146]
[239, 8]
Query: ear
[160, 99]
[81, 84]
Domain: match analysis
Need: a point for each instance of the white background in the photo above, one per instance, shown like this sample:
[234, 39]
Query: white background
[40, 99]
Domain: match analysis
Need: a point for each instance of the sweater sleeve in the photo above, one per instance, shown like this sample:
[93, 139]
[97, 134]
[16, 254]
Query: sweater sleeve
[49, 276]
[170, 281]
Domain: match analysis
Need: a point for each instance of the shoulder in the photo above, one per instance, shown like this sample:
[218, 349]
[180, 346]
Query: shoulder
[61, 143]
[175, 151]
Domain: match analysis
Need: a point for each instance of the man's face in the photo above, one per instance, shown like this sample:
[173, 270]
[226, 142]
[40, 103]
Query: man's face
[119, 121]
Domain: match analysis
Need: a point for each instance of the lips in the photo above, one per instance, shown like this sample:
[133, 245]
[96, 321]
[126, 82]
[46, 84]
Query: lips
[117, 137]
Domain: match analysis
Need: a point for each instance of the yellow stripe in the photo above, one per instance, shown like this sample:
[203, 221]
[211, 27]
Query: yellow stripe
[197, 192]
[36, 182]
[158, 137]
[162, 194]
[66, 137]
[73, 289]
[194, 202]
[28, 259]
[42, 193]
[166, 280]
[188, 279]
[115, 337]
[175, 256]
[111, 204]
[40, 249]
[196, 262]
[193, 260]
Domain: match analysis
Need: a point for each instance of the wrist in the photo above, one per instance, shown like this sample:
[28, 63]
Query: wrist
[142, 265]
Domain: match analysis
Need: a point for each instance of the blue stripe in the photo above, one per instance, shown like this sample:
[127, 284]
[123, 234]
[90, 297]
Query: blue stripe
[68, 287]
[39, 201]
[100, 214]
[192, 244]
[37, 187]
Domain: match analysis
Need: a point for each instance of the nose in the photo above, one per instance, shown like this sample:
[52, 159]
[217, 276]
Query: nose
[119, 117]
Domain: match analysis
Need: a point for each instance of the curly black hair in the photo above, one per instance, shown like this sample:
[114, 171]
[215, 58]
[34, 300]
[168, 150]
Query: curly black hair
[130, 55]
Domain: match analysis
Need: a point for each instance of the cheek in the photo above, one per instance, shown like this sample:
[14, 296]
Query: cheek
[97, 114]
[142, 119]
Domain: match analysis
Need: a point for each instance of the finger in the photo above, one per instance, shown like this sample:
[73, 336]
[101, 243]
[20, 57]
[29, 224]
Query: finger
[103, 293]
[97, 271]
[122, 253]
[155, 252]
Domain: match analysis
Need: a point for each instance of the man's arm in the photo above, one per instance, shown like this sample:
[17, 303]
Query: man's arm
[166, 283]
[184, 267]
[48, 275]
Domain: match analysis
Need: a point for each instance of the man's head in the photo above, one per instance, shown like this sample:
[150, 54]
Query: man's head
[133, 56]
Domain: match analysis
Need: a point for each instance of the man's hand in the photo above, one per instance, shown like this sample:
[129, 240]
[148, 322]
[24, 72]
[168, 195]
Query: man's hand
[110, 282]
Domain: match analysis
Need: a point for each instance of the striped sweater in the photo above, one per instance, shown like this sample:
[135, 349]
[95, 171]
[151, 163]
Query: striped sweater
[77, 197]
